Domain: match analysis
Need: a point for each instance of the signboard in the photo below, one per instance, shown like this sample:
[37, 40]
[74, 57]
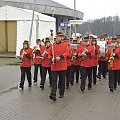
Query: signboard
[102, 45]
[75, 22]
[74, 46]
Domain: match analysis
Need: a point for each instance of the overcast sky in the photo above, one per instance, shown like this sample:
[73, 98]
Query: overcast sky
[93, 9]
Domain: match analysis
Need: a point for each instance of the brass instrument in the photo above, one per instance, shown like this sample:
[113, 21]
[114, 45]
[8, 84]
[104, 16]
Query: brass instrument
[74, 45]
[111, 59]
[73, 59]
[83, 56]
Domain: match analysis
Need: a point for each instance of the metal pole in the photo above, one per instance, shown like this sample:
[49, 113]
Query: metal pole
[30, 36]
[74, 15]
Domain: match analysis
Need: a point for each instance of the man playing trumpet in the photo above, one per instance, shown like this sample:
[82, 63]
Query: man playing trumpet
[86, 52]
[37, 60]
[46, 65]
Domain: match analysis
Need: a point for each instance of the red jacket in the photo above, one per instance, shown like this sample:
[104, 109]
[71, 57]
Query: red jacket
[95, 58]
[78, 59]
[59, 50]
[45, 61]
[116, 61]
[26, 61]
[87, 62]
[37, 57]
[68, 59]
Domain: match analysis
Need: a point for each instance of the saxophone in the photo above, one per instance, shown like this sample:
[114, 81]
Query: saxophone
[111, 59]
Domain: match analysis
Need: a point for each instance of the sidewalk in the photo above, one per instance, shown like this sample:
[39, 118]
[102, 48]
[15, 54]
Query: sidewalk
[34, 104]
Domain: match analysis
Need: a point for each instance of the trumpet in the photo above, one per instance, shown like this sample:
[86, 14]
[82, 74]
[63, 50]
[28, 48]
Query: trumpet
[84, 52]
[73, 59]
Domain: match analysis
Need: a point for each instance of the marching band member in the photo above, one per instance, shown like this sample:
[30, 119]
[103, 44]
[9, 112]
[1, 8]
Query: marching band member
[95, 59]
[37, 60]
[75, 62]
[113, 57]
[25, 66]
[86, 52]
[46, 65]
[57, 55]
[118, 45]
[102, 61]
[69, 63]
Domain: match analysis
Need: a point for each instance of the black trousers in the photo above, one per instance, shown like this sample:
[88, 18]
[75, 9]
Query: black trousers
[36, 66]
[102, 70]
[68, 76]
[72, 74]
[77, 72]
[113, 78]
[61, 83]
[86, 71]
[44, 73]
[94, 74]
[25, 71]
[119, 77]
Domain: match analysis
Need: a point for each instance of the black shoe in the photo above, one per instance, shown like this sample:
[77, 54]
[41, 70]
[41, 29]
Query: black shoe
[35, 82]
[20, 86]
[115, 88]
[95, 83]
[61, 96]
[98, 77]
[111, 89]
[89, 88]
[67, 87]
[76, 81]
[53, 98]
[82, 89]
[42, 87]
[29, 85]
[104, 77]
[71, 84]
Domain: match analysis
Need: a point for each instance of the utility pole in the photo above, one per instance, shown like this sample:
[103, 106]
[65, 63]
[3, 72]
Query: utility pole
[30, 36]
[74, 16]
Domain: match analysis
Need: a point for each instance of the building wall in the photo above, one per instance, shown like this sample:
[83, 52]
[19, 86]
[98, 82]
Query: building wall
[11, 35]
[8, 34]
[2, 37]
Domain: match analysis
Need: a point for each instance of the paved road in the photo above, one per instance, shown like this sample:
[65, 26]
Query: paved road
[34, 104]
